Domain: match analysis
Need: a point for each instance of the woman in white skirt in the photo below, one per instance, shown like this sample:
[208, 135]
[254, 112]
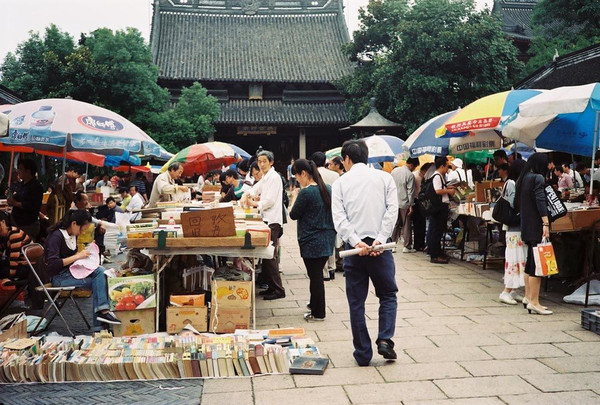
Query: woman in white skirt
[515, 255]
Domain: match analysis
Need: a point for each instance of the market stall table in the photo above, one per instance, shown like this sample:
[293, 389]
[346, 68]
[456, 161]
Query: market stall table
[230, 246]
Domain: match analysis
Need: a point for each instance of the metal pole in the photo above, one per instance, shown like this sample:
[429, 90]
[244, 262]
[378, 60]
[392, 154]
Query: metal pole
[10, 169]
[64, 164]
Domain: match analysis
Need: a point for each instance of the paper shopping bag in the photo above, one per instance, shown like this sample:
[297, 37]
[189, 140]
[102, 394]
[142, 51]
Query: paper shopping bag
[545, 260]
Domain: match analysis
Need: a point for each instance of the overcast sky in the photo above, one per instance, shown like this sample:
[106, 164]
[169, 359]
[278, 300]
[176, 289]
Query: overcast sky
[18, 17]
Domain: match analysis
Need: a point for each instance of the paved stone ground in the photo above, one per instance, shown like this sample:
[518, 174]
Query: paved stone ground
[456, 345]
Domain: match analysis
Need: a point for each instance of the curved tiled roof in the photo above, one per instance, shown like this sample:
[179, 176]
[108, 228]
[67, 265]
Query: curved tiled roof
[275, 112]
[192, 45]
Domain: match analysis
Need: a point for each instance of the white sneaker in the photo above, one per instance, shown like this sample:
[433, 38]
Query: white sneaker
[408, 250]
[506, 298]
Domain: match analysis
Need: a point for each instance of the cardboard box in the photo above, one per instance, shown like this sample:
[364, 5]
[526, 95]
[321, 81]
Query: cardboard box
[129, 293]
[18, 331]
[188, 300]
[211, 222]
[178, 317]
[227, 320]
[136, 322]
[231, 294]
[481, 195]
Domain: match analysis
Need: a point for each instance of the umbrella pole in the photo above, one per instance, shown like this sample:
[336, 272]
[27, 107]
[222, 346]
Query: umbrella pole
[64, 164]
[10, 169]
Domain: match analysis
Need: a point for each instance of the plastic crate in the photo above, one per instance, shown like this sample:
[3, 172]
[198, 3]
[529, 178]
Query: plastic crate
[590, 320]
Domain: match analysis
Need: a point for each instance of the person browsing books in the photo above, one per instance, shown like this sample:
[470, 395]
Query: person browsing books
[316, 234]
[60, 252]
[364, 209]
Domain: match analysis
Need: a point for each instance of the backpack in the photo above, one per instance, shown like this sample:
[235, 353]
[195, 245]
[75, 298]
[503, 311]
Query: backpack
[429, 202]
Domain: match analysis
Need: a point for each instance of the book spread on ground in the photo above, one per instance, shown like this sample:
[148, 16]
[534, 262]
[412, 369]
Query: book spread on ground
[309, 365]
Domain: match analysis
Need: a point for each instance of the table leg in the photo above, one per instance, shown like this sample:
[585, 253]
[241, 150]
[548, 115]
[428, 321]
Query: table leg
[159, 270]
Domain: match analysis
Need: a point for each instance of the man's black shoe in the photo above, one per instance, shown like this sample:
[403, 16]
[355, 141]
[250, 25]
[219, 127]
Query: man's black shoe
[108, 317]
[274, 296]
[386, 349]
[266, 292]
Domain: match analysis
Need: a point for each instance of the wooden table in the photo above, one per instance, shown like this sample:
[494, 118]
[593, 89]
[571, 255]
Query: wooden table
[229, 246]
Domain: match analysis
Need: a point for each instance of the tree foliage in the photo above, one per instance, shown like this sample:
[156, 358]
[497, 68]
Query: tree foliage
[113, 70]
[562, 26]
[424, 58]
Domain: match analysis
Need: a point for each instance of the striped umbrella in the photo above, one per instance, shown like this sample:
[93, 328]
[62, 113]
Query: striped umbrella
[384, 148]
[485, 114]
[203, 157]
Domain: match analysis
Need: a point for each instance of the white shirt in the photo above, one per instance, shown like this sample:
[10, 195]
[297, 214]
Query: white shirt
[329, 177]
[71, 240]
[136, 203]
[200, 184]
[270, 190]
[459, 175]
[438, 184]
[577, 181]
[405, 186]
[364, 205]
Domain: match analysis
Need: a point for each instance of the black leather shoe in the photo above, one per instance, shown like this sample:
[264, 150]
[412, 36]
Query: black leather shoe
[386, 349]
[274, 296]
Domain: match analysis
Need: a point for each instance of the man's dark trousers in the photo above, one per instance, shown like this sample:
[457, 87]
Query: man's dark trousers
[435, 232]
[381, 270]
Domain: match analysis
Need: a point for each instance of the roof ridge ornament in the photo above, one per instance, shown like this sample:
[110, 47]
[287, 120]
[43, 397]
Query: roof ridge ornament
[250, 7]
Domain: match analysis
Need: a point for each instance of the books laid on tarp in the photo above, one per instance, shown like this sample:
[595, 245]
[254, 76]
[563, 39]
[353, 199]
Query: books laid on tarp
[158, 356]
[309, 365]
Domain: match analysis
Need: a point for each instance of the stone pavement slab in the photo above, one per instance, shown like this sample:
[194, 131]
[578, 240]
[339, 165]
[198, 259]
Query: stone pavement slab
[393, 392]
[484, 386]
[557, 398]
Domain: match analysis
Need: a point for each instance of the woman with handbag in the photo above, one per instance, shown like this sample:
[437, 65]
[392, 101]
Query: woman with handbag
[535, 225]
[515, 254]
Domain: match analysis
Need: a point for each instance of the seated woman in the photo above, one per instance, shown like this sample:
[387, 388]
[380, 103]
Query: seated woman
[60, 252]
[12, 239]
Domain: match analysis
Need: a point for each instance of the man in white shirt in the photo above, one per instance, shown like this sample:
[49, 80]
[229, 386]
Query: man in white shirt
[405, 185]
[438, 221]
[577, 180]
[365, 209]
[270, 204]
[164, 186]
[136, 203]
[328, 176]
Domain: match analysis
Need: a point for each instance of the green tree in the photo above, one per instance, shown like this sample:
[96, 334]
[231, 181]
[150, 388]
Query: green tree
[113, 70]
[189, 122]
[562, 26]
[441, 54]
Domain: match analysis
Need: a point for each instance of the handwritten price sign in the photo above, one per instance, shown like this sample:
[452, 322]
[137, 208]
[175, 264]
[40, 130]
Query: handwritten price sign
[208, 223]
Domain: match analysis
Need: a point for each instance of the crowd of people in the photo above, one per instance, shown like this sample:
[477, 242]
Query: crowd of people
[339, 204]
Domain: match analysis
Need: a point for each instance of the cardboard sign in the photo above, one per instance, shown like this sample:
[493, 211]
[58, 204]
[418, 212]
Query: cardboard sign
[208, 223]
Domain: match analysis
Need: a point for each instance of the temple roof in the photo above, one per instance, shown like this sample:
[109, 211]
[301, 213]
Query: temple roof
[573, 69]
[250, 40]
[516, 17]
[275, 112]
[8, 96]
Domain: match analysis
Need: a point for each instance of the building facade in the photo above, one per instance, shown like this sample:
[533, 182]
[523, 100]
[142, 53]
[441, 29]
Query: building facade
[271, 64]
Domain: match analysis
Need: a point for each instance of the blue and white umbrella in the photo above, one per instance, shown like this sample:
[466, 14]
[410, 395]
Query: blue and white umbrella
[423, 141]
[564, 119]
[384, 148]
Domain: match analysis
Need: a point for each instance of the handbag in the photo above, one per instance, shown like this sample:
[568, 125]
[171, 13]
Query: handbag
[504, 213]
[545, 260]
[556, 208]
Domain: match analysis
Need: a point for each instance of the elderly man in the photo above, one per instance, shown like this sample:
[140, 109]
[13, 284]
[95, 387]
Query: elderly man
[365, 209]
[270, 203]
[164, 186]
[26, 199]
[405, 186]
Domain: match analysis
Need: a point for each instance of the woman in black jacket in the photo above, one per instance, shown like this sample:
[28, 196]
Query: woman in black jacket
[534, 224]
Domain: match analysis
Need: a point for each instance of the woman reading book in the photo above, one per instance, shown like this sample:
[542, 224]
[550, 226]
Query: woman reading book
[60, 253]
[316, 234]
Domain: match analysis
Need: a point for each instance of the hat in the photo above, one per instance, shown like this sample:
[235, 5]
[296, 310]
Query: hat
[458, 163]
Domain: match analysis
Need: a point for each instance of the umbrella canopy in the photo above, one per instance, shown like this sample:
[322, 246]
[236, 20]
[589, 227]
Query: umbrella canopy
[485, 114]
[423, 140]
[51, 125]
[241, 152]
[384, 148]
[564, 119]
[3, 124]
[331, 153]
[202, 157]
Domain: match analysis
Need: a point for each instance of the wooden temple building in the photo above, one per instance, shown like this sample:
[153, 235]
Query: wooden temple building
[270, 63]
[516, 23]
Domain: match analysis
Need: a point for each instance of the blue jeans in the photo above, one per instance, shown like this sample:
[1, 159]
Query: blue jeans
[96, 280]
[382, 271]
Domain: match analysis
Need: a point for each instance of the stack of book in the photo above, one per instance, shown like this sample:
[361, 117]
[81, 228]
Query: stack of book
[107, 358]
